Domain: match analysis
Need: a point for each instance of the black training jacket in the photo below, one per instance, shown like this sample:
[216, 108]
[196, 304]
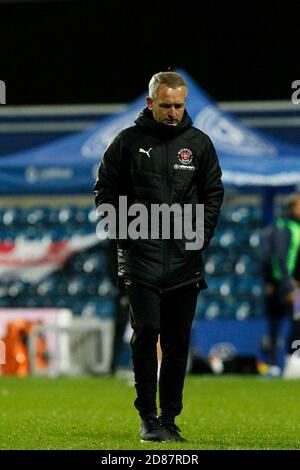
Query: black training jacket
[153, 163]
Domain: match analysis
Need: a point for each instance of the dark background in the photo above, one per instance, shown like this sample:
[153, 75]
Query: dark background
[106, 51]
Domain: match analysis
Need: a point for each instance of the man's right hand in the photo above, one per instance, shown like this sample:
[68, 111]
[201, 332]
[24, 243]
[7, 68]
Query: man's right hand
[291, 297]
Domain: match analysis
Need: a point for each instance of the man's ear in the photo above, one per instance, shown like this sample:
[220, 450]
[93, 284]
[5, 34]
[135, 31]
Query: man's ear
[149, 102]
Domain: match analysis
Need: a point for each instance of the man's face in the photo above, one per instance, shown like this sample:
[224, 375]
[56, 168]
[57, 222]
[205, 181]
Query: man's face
[169, 105]
[296, 210]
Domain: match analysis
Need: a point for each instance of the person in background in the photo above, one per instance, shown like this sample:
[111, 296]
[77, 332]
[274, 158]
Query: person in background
[281, 265]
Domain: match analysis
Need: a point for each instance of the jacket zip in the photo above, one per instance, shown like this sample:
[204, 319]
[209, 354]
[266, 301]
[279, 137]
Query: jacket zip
[166, 199]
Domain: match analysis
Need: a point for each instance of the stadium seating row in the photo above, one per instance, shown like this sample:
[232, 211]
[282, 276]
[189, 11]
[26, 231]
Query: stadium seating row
[231, 263]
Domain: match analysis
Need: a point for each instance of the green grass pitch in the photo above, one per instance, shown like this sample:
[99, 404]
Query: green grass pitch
[225, 412]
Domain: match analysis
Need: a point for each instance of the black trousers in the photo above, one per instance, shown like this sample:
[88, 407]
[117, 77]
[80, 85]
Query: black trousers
[169, 315]
[121, 321]
[277, 311]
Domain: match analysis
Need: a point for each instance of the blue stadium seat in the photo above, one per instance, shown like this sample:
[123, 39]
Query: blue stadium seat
[64, 302]
[92, 284]
[3, 291]
[213, 310]
[82, 216]
[9, 234]
[31, 302]
[15, 289]
[64, 215]
[56, 234]
[243, 310]
[244, 214]
[106, 288]
[99, 307]
[251, 287]
[95, 263]
[89, 262]
[48, 287]
[11, 217]
[37, 216]
[255, 238]
[222, 287]
[246, 266]
[229, 304]
[76, 263]
[61, 283]
[31, 232]
[218, 264]
[107, 309]
[76, 286]
[258, 308]
[228, 239]
[91, 307]
[93, 216]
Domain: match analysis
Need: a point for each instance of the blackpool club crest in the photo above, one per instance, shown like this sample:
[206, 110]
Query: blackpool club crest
[185, 156]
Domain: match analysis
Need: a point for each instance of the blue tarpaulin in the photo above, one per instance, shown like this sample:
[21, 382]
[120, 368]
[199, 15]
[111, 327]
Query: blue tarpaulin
[69, 165]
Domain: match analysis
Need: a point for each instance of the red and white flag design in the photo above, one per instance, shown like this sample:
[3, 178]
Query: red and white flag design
[31, 260]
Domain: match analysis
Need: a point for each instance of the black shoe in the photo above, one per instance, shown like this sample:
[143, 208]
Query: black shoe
[171, 432]
[151, 430]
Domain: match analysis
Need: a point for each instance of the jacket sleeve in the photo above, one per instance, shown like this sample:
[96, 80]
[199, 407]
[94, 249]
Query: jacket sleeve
[111, 181]
[210, 189]
[108, 184]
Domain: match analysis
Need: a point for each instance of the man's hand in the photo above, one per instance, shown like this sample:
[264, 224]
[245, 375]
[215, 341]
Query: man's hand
[291, 297]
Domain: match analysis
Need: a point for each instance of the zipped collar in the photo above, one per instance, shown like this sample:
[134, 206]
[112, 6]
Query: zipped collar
[146, 121]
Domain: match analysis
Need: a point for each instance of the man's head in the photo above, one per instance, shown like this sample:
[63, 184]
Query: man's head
[293, 206]
[167, 97]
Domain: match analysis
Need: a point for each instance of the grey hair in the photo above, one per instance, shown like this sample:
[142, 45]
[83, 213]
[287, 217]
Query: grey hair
[172, 79]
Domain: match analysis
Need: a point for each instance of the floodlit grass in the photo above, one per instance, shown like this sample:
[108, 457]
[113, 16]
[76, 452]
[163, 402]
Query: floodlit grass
[228, 412]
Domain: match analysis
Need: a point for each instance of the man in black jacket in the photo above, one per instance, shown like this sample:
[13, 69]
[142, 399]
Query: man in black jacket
[162, 159]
